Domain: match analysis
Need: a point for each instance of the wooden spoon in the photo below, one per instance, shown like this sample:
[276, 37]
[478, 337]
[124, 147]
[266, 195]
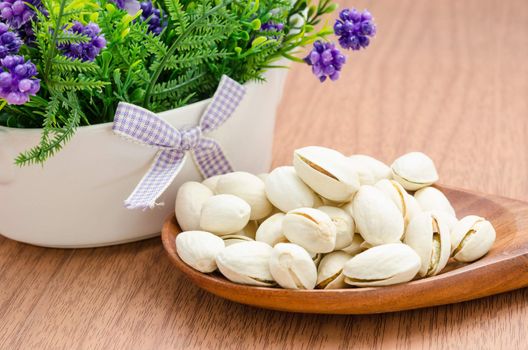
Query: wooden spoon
[503, 269]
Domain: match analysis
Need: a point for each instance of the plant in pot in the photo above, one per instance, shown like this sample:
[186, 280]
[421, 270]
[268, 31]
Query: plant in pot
[67, 64]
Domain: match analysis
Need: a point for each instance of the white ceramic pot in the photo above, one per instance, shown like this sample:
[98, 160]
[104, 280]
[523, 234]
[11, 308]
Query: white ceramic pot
[76, 199]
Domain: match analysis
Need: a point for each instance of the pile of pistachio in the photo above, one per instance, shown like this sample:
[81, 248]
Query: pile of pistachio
[329, 221]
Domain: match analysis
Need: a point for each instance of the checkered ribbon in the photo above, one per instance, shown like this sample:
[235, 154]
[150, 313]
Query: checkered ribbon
[143, 126]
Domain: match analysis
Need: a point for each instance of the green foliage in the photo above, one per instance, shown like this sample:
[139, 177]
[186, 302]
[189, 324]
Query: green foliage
[202, 40]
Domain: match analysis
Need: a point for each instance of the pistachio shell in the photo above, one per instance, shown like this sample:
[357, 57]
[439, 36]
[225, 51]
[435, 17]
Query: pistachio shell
[327, 172]
[246, 263]
[270, 231]
[397, 194]
[199, 249]
[250, 230]
[345, 226]
[311, 229]
[189, 201]
[428, 235]
[356, 246]
[292, 267]
[449, 219]
[211, 182]
[330, 270]
[432, 199]
[378, 219]
[224, 214]
[249, 188]
[414, 170]
[287, 191]
[263, 176]
[370, 170]
[382, 265]
[471, 238]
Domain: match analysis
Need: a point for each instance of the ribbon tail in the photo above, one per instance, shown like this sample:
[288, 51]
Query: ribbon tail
[210, 158]
[161, 174]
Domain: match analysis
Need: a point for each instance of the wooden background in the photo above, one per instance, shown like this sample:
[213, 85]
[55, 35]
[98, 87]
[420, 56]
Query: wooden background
[449, 77]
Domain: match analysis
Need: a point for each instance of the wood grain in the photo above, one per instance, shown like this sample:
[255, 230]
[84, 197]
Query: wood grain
[446, 77]
[503, 269]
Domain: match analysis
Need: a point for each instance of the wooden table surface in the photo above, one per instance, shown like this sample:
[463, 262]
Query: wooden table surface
[449, 78]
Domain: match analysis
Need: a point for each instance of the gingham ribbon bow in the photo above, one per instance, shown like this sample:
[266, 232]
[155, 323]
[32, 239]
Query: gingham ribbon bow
[143, 126]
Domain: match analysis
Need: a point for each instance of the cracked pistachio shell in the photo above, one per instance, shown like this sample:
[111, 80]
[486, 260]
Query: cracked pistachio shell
[246, 263]
[327, 172]
[199, 249]
[356, 246]
[211, 182]
[311, 229]
[370, 170]
[344, 223]
[432, 199]
[330, 270]
[397, 194]
[249, 188]
[224, 214]
[414, 170]
[429, 236]
[292, 267]
[287, 191]
[263, 176]
[471, 238]
[189, 201]
[270, 231]
[378, 219]
[234, 239]
[382, 265]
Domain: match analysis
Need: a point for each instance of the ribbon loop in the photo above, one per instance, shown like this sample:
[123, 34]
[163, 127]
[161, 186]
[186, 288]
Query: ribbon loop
[141, 125]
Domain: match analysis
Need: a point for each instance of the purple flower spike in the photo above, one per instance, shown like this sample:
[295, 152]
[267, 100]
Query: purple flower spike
[9, 41]
[326, 61]
[153, 17]
[18, 15]
[354, 29]
[18, 80]
[85, 51]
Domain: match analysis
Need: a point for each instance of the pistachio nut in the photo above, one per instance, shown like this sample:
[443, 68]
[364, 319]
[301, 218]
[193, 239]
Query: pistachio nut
[199, 249]
[432, 199]
[330, 270]
[292, 267]
[249, 188]
[370, 170]
[234, 239]
[327, 172]
[356, 246]
[246, 263]
[287, 191]
[414, 170]
[344, 223]
[223, 214]
[211, 182]
[311, 229]
[405, 202]
[263, 176]
[382, 265]
[270, 231]
[471, 238]
[189, 201]
[349, 209]
[377, 218]
[429, 236]
[316, 257]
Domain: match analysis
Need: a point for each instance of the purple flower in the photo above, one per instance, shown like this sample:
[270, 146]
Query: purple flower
[130, 6]
[18, 15]
[326, 61]
[153, 17]
[9, 41]
[354, 29]
[17, 80]
[86, 51]
[271, 27]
